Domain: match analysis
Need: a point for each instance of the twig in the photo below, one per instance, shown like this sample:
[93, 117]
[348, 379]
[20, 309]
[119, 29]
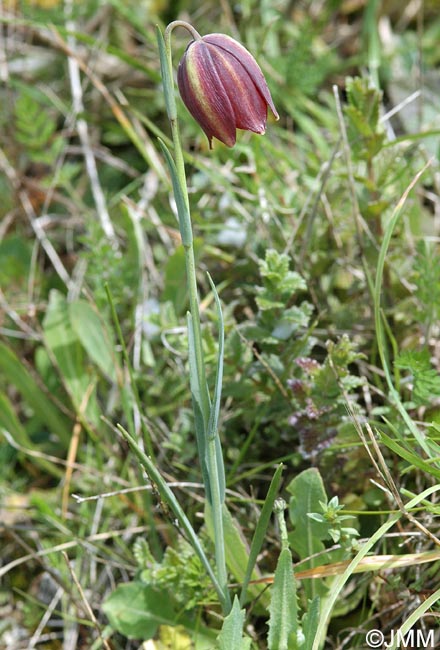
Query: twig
[36, 637]
[57, 461]
[83, 133]
[36, 227]
[72, 544]
[265, 365]
[138, 488]
[87, 606]
[26, 332]
[73, 449]
[360, 223]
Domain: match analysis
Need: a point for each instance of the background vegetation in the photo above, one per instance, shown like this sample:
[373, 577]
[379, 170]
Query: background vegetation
[330, 287]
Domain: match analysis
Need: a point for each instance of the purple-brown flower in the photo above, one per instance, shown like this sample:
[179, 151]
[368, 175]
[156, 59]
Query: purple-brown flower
[223, 88]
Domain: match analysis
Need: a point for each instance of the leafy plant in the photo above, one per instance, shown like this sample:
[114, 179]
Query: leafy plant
[321, 240]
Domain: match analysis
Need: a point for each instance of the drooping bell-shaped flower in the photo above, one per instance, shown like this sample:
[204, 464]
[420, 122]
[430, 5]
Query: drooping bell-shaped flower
[223, 88]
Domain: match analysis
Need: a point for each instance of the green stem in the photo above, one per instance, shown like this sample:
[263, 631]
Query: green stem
[188, 245]
[208, 450]
[279, 508]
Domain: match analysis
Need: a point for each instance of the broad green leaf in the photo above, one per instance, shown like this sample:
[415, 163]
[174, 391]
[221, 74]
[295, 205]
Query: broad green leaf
[68, 352]
[136, 610]
[307, 493]
[283, 609]
[94, 335]
[231, 635]
[18, 376]
[307, 490]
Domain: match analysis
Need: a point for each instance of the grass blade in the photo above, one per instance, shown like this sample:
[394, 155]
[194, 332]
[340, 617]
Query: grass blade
[378, 314]
[411, 457]
[197, 406]
[168, 497]
[260, 530]
[341, 580]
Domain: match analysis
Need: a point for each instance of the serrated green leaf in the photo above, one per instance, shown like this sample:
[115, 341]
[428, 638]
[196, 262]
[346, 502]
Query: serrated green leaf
[266, 302]
[231, 635]
[283, 621]
[362, 113]
[426, 379]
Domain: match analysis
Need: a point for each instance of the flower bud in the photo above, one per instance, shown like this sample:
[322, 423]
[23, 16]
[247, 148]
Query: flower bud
[223, 88]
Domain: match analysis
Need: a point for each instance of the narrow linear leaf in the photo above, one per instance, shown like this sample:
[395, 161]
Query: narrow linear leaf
[237, 552]
[197, 406]
[215, 406]
[260, 530]
[409, 456]
[341, 580]
[168, 497]
[283, 604]
[379, 316]
[179, 195]
[168, 85]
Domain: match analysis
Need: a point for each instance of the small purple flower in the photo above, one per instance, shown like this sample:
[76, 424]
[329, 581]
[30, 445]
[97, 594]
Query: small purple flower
[223, 88]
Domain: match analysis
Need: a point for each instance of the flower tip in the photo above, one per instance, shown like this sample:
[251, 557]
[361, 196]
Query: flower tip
[274, 110]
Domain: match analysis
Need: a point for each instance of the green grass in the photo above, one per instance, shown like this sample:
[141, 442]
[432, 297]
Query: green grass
[315, 251]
